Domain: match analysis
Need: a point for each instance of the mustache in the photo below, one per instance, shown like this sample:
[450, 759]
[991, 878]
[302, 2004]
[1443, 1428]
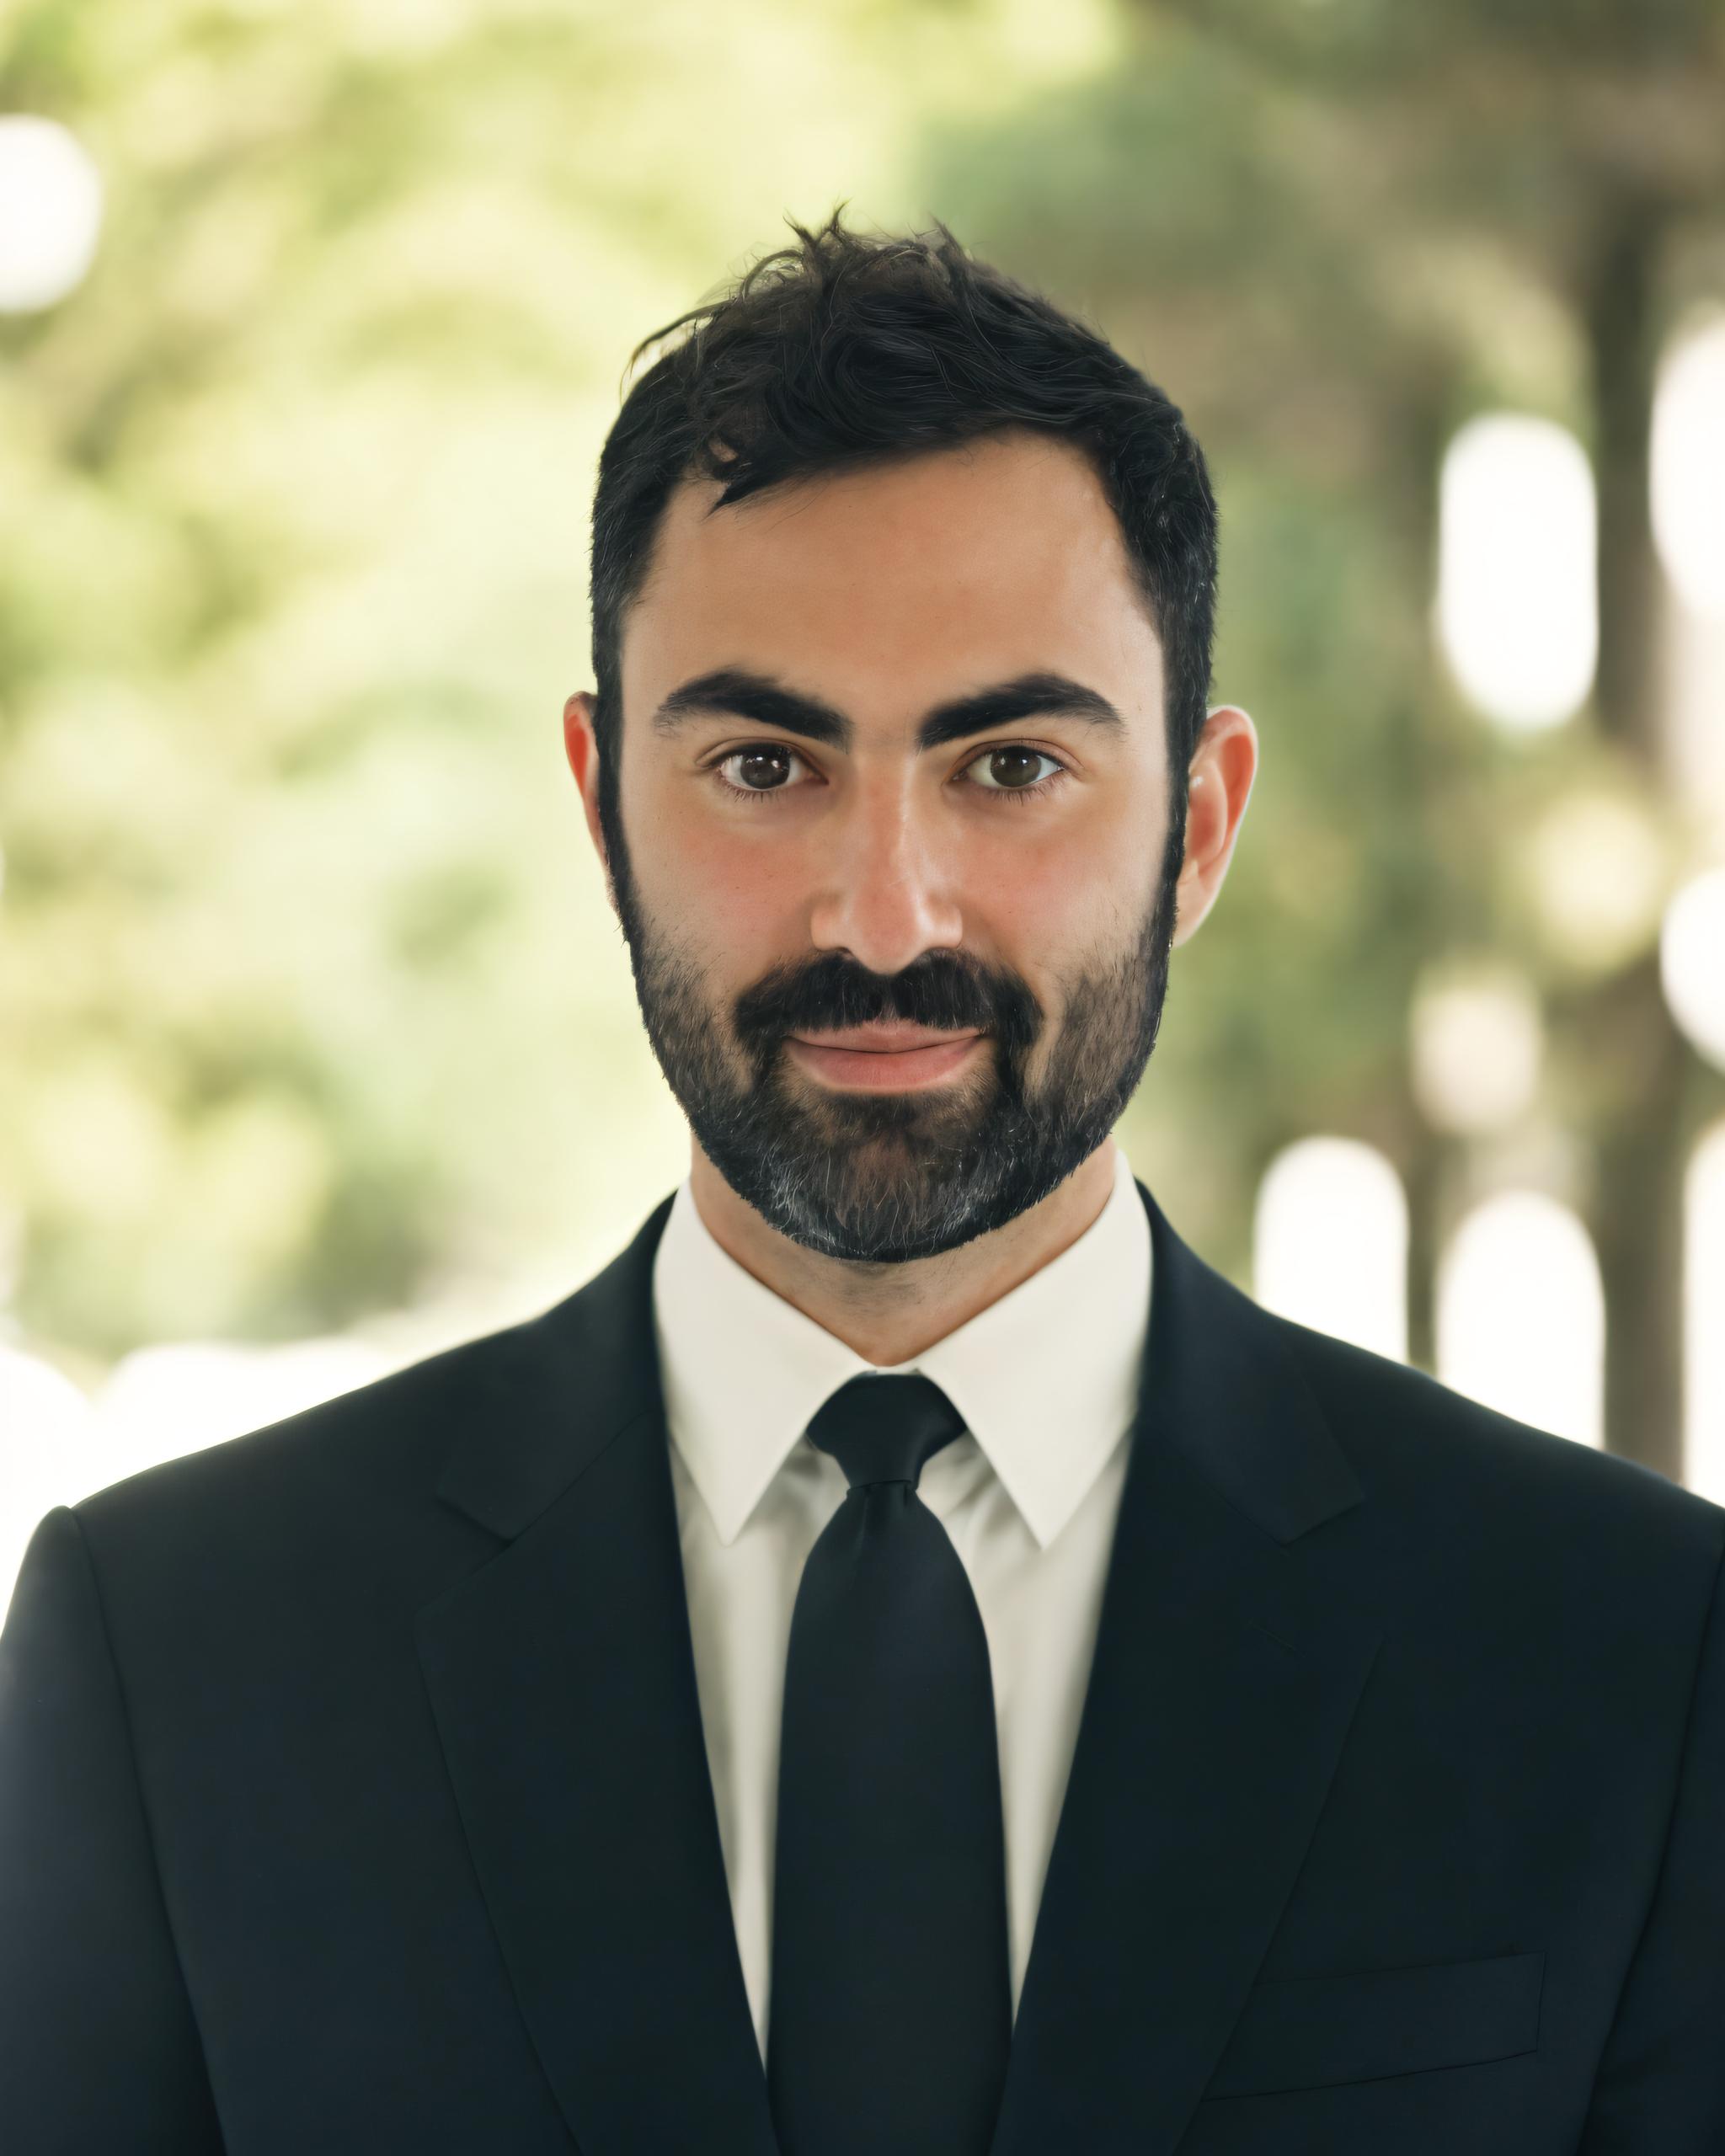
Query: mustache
[943, 989]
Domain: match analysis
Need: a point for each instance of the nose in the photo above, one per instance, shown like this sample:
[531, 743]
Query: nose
[885, 893]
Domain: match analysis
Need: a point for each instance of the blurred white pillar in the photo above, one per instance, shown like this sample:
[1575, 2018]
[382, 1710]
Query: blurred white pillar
[1704, 1317]
[1330, 1243]
[1521, 1315]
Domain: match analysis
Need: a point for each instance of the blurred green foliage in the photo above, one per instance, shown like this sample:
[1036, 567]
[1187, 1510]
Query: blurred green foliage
[310, 998]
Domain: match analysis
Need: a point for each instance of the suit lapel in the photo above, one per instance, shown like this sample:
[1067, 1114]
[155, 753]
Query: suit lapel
[563, 1682]
[1228, 1664]
[1226, 1671]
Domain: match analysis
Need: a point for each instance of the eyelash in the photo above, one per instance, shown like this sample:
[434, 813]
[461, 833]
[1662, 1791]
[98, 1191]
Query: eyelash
[1039, 790]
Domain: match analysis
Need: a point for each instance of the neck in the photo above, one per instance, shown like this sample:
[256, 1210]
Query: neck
[888, 1314]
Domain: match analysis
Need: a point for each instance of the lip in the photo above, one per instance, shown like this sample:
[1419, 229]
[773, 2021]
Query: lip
[884, 1059]
[885, 1037]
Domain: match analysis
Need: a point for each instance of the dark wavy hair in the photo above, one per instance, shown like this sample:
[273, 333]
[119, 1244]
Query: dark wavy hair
[845, 350]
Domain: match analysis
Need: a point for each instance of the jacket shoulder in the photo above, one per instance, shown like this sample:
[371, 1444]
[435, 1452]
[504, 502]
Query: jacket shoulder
[1416, 1443]
[475, 1438]
[382, 1442]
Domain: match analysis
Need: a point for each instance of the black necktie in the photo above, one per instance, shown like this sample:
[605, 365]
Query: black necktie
[891, 2009]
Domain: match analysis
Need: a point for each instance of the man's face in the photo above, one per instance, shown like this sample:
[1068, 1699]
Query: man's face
[897, 867]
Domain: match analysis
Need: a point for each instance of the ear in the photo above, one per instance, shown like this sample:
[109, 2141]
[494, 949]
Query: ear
[581, 746]
[1219, 785]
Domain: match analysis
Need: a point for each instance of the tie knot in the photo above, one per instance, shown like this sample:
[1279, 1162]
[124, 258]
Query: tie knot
[881, 1429]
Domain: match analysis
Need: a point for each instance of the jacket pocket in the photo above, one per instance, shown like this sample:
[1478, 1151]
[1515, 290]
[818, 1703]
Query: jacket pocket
[1308, 2032]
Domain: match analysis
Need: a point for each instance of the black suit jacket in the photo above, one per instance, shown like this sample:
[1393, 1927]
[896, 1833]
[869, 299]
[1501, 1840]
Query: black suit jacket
[353, 1795]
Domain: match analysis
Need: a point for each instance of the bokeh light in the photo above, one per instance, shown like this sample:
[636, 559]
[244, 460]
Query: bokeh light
[1520, 1318]
[1516, 608]
[1688, 476]
[1704, 1317]
[51, 212]
[1477, 1043]
[1330, 1243]
[1692, 962]
[1595, 868]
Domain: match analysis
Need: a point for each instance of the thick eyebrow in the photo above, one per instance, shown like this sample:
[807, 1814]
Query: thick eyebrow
[768, 702]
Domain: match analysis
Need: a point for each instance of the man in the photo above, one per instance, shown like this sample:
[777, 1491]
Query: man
[909, 1658]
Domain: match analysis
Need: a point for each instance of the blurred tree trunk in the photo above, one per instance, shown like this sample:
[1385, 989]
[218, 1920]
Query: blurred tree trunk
[1641, 1140]
[1423, 1169]
[1641, 1136]
[1618, 114]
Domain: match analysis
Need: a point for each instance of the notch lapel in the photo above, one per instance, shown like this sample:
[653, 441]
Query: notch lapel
[562, 1683]
[1228, 1664]
[1229, 1660]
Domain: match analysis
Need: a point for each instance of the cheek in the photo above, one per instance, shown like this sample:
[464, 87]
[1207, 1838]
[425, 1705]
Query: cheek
[1045, 892]
[1027, 892]
[729, 890]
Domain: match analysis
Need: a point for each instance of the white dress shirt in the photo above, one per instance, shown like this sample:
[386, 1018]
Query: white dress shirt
[1046, 1380]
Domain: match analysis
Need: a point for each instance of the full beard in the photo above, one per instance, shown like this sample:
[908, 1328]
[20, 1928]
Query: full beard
[885, 1178]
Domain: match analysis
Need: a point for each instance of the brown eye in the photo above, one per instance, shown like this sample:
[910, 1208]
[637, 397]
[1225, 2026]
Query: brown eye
[764, 768]
[1011, 770]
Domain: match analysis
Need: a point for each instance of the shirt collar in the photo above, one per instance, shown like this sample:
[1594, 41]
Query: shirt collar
[1046, 1378]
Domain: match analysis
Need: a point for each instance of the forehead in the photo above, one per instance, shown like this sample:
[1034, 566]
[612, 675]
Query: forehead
[960, 565]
